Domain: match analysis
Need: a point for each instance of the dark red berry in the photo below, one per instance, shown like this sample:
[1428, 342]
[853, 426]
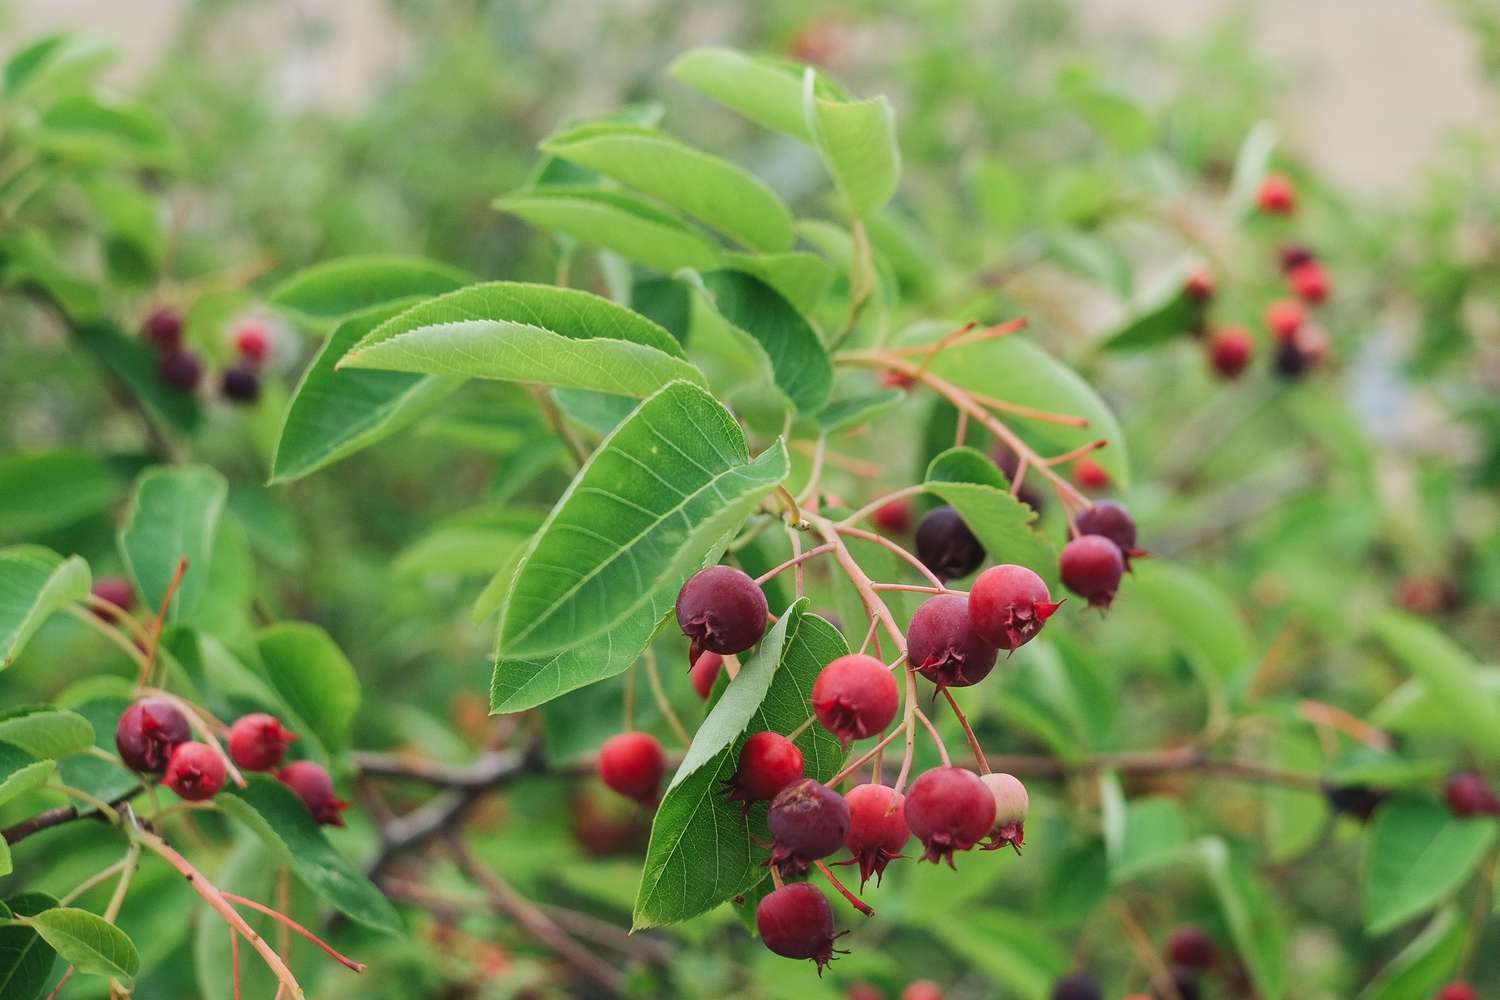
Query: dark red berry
[241, 384]
[795, 921]
[864, 991]
[633, 764]
[253, 341]
[1284, 318]
[893, 379]
[877, 828]
[1359, 801]
[1080, 985]
[1011, 807]
[1457, 991]
[314, 787]
[1200, 286]
[1277, 196]
[195, 771]
[946, 545]
[1114, 522]
[1309, 282]
[1191, 947]
[949, 809]
[1008, 605]
[604, 824]
[894, 517]
[855, 696]
[1294, 256]
[808, 821]
[705, 672]
[180, 370]
[1091, 567]
[117, 591]
[768, 763]
[148, 732]
[1230, 350]
[722, 611]
[1184, 984]
[163, 328]
[258, 741]
[1468, 794]
[1009, 463]
[1090, 475]
[922, 989]
[1428, 595]
[943, 645]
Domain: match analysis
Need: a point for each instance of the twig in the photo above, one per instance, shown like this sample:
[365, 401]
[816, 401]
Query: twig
[159, 622]
[653, 676]
[296, 928]
[59, 815]
[854, 900]
[1145, 951]
[558, 424]
[886, 543]
[963, 720]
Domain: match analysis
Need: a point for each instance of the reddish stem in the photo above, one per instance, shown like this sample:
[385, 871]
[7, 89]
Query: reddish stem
[854, 900]
[797, 560]
[963, 720]
[296, 928]
[885, 542]
[159, 622]
[932, 731]
[1078, 452]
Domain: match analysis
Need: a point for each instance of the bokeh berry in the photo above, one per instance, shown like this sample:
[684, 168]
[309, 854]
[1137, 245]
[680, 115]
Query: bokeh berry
[1190, 947]
[1230, 350]
[180, 370]
[1309, 282]
[314, 786]
[240, 384]
[705, 672]
[1284, 318]
[117, 591]
[163, 328]
[1113, 521]
[1091, 567]
[1276, 195]
[946, 546]
[1079, 985]
[1090, 475]
[1468, 794]
[253, 341]
[894, 517]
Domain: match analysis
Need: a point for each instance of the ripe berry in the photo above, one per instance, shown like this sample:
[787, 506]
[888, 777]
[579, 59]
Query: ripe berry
[148, 732]
[922, 989]
[163, 328]
[768, 763]
[1079, 985]
[1009, 463]
[1114, 522]
[1276, 195]
[722, 611]
[632, 764]
[1091, 567]
[1090, 475]
[180, 370]
[946, 545]
[258, 741]
[117, 591]
[1230, 350]
[1468, 794]
[1011, 806]
[1294, 255]
[1457, 991]
[253, 341]
[877, 828]
[949, 809]
[1309, 282]
[605, 824]
[943, 646]
[705, 672]
[315, 788]
[241, 384]
[795, 921]
[1200, 286]
[1191, 947]
[808, 821]
[195, 772]
[1184, 983]
[1359, 801]
[1008, 605]
[894, 517]
[1284, 318]
[855, 696]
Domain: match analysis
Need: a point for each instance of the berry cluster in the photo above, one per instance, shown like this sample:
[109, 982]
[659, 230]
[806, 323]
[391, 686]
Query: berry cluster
[181, 369]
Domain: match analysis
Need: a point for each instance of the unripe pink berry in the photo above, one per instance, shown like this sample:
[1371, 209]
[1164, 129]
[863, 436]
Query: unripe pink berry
[253, 341]
[705, 672]
[1457, 991]
[1230, 350]
[314, 786]
[258, 741]
[1090, 475]
[117, 591]
[1008, 605]
[795, 921]
[855, 696]
[877, 828]
[196, 771]
[1200, 286]
[632, 764]
[1309, 282]
[1284, 318]
[894, 517]
[1277, 196]
[949, 809]
[922, 989]
[1011, 806]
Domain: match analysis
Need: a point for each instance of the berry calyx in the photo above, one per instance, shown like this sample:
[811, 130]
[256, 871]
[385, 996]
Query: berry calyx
[877, 829]
[148, 732]
[808, 821]
[1284, 318]
[1191, 947]
[1230, 350]
[1080, 985]
[1091, 567]
[1011, 806]
[795, 921]
[855, 696]
[722, 610]
[1090, 475]
[163, 328]
[1468, 794]
[894, 517]
[949, 809]
[314, 787]
[1309, 282]
[180, 370]
[705, 672]
[1008, 605]
[1277, 196]
[258, 741]
[195, 772]
[240, 384]
[1457, 991]
[768, 763]
[632, 764]
[117, 591]
[943, 646]
[253, 341]
[1114, 522]
[946, 546]
[1199, 286]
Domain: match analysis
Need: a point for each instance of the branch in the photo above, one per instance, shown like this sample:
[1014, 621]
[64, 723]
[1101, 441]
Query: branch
[47, 819]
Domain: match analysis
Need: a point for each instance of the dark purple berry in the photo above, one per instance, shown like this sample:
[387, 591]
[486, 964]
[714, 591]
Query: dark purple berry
[722, 610]
[1080, 985]
[241, 384]
[1009, 463]
[795, 921]
[808, 821]
[1091, 567]
[947, 546]
[163, 328]
[1359, 801]
[314, 787]
[148, 732]
[180, 370]
[1468, 794]
[1114, 522]
[943, 646]
[1191, 947]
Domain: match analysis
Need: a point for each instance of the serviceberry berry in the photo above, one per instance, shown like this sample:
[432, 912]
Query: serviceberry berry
[1309, 282]
[1091, 567]
[1200, 286]
[808, 821]
[1114, 522]
[1284, 318]
[768, 763]
[148, 732]
[1457, 991]
[1468, 794]
[1090, 475]
[1011, 806]
[1230, 350]
[604, 824]
[314, 787]
[855, 696]
[258, 741]
[195, 771]
[943, 645]
[946, 546]
[1304, 351]
[877, 828]
[894, 517]
[1191, 947]
[722, 610]
[1080, 985]
[1277, 196]
[253, 341]
[1359, 801]
[240, 384]
[1294, 255]
[117, 591]
[892, 379]
[949, 809]
[180, 370]
[922, 989]
[795, 921]
[1184, 984]
[705, 672]
[163, 328]
[633, 764]
[864, 991]
[1008, 605]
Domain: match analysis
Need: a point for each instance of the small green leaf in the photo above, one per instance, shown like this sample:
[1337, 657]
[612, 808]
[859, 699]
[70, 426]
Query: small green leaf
[803, 279]
[1203, 621]
[47, 490]
[1293, 818]
[54, 61]
[34, 583]
[630, 226]
[1450, 675]
[26, 960]
[798, 361]
[331, 291]
[1260, 935]
[1425, 964]
[858, 143]
[89, 942]
[1140, 835]
[46, 732]
[1417, 854]
[314, 678]
[1171, 319]
[85, 130]
[173, 515]
[766, 91]
[852, 411]
[21, 771]
[980, 493]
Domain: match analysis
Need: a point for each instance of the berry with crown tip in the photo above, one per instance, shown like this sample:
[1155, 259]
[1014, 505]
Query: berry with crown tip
[1457, 991]
[117, 591]
[253, 341]
[946, 546]
[1309, 282]
[1091, 567]
[163, 328]
[1199, 286]
[1277, 196]
[855, 696]
[195, 772]
[705, 672]
[943, 646]
[314, 786]
[240, 384]
[808, 821]
[258, 741]
[180, 370]
[1359, 801]
[1114, 522]
[1008, 605]
[949, 809]
[1284, 318]
[148, 732]
[1008, 462]
[877, 829]
[1011, 806]
[922, 989]
[894, 516]
[1080, 985]
[1191, 947]
[795, 921]
[1230, 350]
[768, 763]
[1090, 475]
[722, 610]
[1468, 795]
[632, 764]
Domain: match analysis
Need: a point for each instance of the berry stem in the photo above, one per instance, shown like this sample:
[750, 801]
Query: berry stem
[909, 723]
[234, 963]
[799, 579]
[159, 622]
[854, 900]
[1076, 453]
[881, 501]
[868, 755]
[296, 928]
[815, 474]
[932, 731]
[885, 542]
[912, 588]
[1320, 714]
[870, 633]
[874, 606]
[204, 724]
[93, 880]
[961, 431]
[111, 633]
[1029, 412]
[776, 876]
[794, 513]
[653, 677]
[963, 720]
[806, 724]
[558, 424]
[117, 614]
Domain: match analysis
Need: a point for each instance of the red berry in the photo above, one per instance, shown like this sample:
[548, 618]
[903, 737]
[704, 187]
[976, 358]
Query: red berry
[1190, 946]
[896, 380]
[1008, 605]
[1284, 318]
[1309, 282]
[240, 384]
[633, 764]
[721, 610]
[705, 672]
[1468, 794]
[1200, 286]
[180, 370]
[195, 772]
[946, 545]
[1276, 195]
[864, 991]
[949, 809]
[258, 741]
[1079, 985]
[253, 341]
[605, 824]
[877, 828]
[808, 821]
[1303, 351]
[943, 645]
[768, 763]
[117, 591]
[855, 696]
[795, 921]
[922, 989]
[148, 732]
[314, 787]
[1114, 522]
[1091, 567]
[894, 517]
[1230, 350]
[1457, 991]
[1090, 475]
[1011, 806]
[164, 329]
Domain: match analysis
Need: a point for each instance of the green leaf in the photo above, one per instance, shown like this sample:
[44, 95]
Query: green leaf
[30, 261]
[46, 732]
[630, 226]
[278, 817]
[334, 290]
[1292, 817]
[712, 190]
[858, 143]
[173, 515]
[1140, 835]
[1012, 950]
[47, 490]
[852, 411]
[35, 582]
[60, 59]
[640, 515]
[133, 362]
[465, 550]
[1425, 964]
[1201, 618]
[1123, 123]
[980, 493]
[26, 960]
[800, 278]
[89, 942]
[766, 91]
[314, 678]
[798, 361]
[21, 771]
[85, 130]
[1260, 936]
[1169, 320]
[1450, 675]
[1417, 854]
[701, 852]
[1250, 167]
